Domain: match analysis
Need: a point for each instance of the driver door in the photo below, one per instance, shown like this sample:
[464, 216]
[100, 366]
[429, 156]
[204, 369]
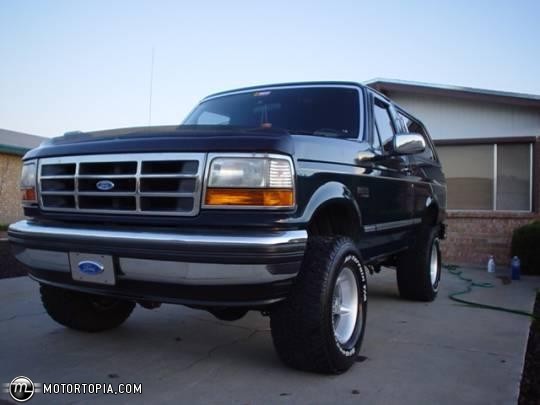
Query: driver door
[393, 192]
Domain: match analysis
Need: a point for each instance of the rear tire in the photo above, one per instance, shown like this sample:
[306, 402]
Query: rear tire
[419, 268]
[85, 312]
[320, 327]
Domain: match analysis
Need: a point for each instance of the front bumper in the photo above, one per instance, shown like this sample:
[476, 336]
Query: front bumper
[192, 267]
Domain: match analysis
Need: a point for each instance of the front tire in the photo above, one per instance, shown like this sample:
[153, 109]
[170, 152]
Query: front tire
[84, 312]
[320, 327]
[419, 268]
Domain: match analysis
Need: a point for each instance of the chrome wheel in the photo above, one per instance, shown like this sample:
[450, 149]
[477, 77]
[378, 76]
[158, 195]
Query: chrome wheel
[434, 264]
[345, 305]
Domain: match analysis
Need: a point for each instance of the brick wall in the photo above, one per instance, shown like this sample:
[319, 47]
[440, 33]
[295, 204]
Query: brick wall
[473, 236]
[10, 172]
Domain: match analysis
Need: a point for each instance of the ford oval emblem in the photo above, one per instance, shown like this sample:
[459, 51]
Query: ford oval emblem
[104, 185]
[89, 267]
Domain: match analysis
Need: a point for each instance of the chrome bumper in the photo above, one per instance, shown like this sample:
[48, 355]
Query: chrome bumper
[165, 256]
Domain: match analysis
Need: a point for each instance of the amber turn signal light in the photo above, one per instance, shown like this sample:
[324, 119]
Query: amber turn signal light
[262, 197]
[28, 195]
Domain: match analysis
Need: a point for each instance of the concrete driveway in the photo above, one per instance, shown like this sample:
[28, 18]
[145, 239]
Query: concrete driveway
[415, 353]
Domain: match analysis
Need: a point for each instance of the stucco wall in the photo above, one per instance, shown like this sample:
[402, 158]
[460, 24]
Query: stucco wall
[10, 205]
[451, 118]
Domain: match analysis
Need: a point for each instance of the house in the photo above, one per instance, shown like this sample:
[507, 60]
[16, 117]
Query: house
[489, 145]
[13, 145]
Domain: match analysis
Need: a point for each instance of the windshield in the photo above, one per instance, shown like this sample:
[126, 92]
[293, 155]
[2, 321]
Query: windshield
[323, 111]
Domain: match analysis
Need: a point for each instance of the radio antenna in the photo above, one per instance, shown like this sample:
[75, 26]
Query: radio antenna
[151, 87]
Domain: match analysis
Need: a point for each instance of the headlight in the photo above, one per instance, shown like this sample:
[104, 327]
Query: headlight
[28, 183]
[250, 181]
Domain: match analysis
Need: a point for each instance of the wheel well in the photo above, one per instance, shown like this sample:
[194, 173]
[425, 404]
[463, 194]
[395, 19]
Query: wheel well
[336, 218]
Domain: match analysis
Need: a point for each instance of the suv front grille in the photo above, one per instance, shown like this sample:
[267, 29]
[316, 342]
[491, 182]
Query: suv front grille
[160, 184]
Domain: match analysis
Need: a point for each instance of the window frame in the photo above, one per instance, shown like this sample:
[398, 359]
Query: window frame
[495, 175]
[375, 128]
[494, 172]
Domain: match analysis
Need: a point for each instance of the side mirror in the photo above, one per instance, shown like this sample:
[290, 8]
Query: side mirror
[408, 144]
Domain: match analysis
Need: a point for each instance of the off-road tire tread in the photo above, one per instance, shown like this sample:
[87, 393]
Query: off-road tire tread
[413, 278]
[296, 323]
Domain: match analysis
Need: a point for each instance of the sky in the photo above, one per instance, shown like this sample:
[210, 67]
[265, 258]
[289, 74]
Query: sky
[86, 65]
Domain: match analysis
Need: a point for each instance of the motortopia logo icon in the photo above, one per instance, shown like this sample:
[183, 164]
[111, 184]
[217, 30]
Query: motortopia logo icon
[21, 388]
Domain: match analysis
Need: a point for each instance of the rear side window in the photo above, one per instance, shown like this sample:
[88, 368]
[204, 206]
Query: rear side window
[413, 126]
[384, 127]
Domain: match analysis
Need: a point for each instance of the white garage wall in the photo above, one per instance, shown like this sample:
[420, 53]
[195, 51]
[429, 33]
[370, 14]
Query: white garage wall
[453, 118]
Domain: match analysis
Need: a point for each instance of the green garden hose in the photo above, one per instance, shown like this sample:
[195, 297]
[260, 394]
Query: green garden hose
[452, 269]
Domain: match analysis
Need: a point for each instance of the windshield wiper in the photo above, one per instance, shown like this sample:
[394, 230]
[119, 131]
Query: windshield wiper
[329, 132]
[301, 132]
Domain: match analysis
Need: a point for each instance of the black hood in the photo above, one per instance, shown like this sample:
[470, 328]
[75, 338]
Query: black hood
[166, 139]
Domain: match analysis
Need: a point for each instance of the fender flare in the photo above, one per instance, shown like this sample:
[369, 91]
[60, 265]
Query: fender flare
[331, 192]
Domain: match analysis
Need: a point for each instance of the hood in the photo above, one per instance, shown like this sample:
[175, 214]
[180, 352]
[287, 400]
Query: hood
[166, 139]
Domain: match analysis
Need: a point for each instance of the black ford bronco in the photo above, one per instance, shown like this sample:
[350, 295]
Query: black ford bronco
[274, 198]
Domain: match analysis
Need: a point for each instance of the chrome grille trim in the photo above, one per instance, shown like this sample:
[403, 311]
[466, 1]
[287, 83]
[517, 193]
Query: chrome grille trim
[183, 197]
